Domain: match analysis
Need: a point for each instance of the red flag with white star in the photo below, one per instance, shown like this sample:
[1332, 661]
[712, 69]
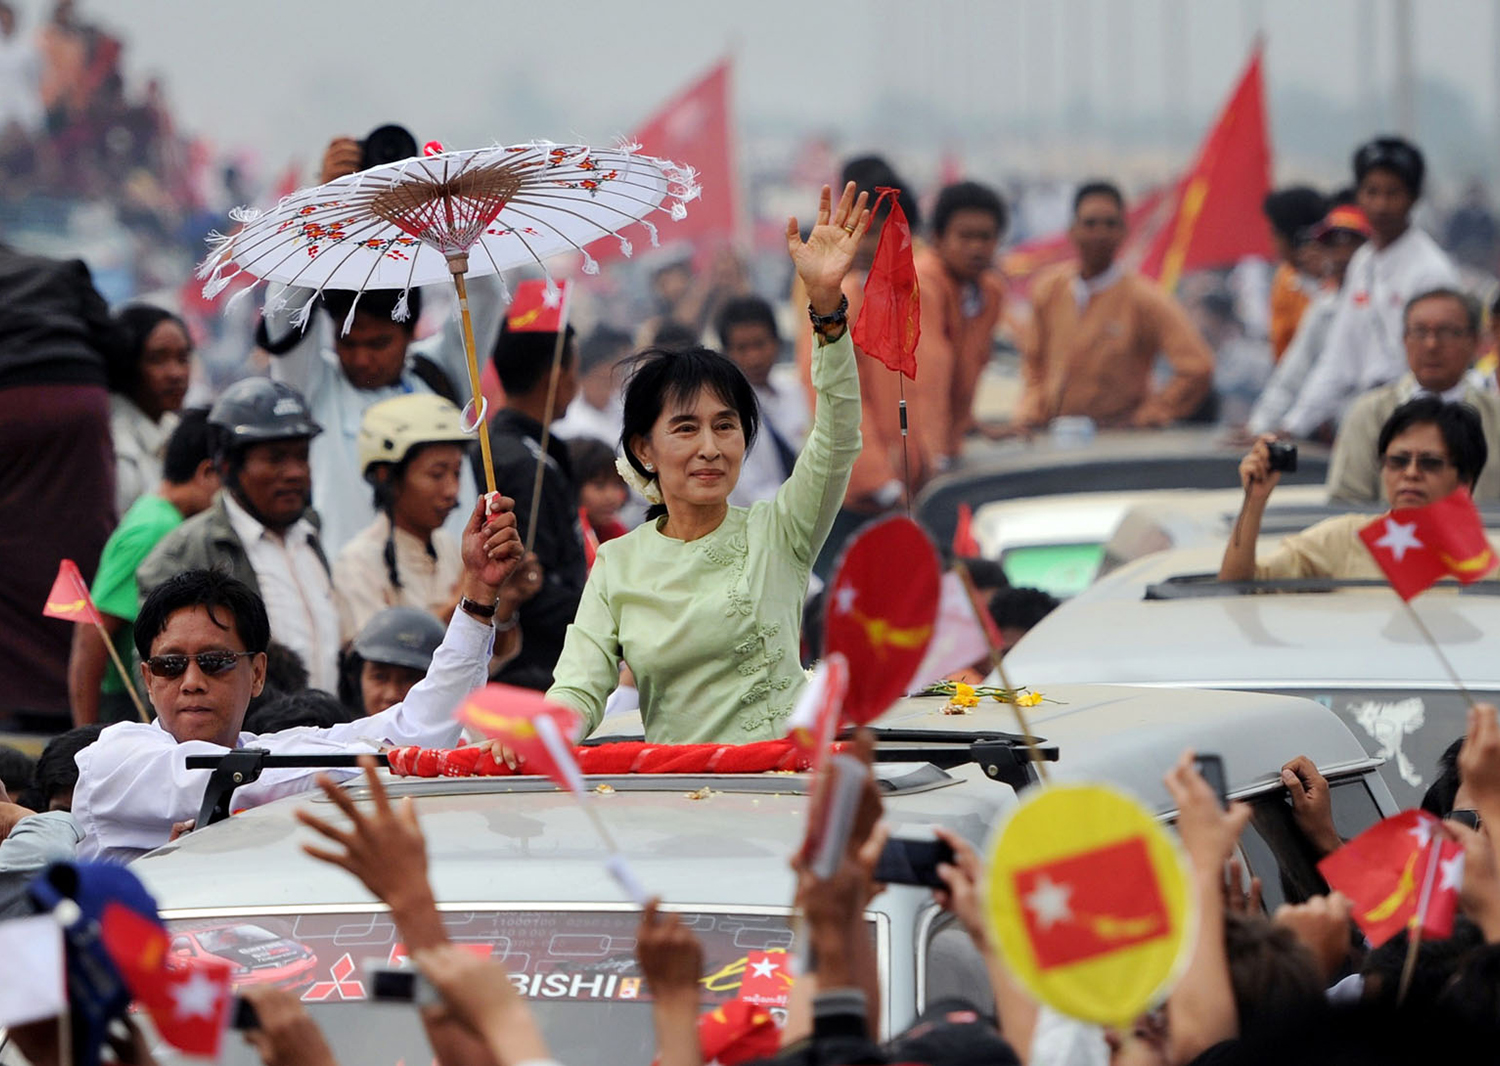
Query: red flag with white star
[882, 606]
[1401, 873]
[537, 307]
[767, 980]
[188, 1001]
[540, 732]
[1417, 546]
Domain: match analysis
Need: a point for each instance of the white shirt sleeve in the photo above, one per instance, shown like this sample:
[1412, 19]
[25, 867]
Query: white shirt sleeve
[133, 782]
[1297, 363]
[1333, 379]
[301, 367]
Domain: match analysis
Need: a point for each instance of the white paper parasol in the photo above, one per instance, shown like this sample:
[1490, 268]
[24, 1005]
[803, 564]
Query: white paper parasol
[420, 220]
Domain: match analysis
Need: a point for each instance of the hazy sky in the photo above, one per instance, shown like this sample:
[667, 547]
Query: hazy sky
[280, 76]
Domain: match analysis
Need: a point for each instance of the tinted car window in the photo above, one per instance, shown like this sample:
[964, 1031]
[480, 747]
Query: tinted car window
[1279, 855]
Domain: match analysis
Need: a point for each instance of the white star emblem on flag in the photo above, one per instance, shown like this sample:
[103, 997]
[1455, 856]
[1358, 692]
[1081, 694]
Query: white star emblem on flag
[1400, 537]
[1452, 872]
[843, 599]
[195, 998]
[1049, 902]
[763, 968]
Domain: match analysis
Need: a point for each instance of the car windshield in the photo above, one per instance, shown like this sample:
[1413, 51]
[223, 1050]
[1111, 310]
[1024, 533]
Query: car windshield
[1060, 569]
[576, 968]
[235, 936]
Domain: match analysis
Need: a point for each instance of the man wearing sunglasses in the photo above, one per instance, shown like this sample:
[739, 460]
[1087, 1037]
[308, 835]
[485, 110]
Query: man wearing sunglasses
[1427, 448]
[202, 638]
[1441, 334]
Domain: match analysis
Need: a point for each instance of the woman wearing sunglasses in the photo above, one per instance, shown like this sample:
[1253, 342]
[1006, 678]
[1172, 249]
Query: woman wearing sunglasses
[1427, 448]
[202, 639]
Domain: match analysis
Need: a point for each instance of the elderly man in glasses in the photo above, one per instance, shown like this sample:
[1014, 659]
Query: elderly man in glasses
[1427, 448]
[202, 639]
[1441, 333]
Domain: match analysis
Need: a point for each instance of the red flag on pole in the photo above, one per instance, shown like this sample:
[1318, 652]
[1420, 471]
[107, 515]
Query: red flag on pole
[1216, 218]
[965, 546]
[890, 319]
[1416, 546]
[537, 307]
[525, 722]
[69, 598]
[1401, 873]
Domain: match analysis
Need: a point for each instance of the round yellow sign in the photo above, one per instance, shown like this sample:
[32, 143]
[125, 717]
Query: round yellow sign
[1088, 900]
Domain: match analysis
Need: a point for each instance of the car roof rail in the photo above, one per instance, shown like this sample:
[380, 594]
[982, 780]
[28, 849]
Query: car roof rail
[244, 765]
[1002, 756]
[1208, 586]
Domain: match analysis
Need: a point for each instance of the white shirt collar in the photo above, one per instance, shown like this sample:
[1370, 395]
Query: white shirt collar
[1085, 290]
[1453, 395]
[249, 529]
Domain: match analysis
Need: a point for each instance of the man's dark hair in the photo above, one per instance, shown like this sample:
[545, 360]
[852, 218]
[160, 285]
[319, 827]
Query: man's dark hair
[1274, 977]
[1440, 795]
[662, 378]
[1021, 608]
[523, 358]
[290, 710]
[745, 311]
[56, 772]
[602, 346]
[1463, 432]
[590, 458]
[1473, 312]
[284, 668]
[189, 445]
[373, 303]
[968, 196]
[228, 601]
[1437, 962]
[1396, 154]
[870, 172]
[16, 770]
[1098, 188]
[1294, 210]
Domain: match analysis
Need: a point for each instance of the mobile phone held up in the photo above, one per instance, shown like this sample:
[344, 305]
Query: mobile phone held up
[1211, 769]
[912, 862]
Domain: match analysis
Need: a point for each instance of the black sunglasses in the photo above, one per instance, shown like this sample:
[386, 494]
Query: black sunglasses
[1466, 816]
[210, 662]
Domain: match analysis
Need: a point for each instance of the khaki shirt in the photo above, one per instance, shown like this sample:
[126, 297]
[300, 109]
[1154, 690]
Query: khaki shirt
[1331, 548]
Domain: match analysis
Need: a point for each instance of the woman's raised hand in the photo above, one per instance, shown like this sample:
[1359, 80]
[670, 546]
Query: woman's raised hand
[825, 257]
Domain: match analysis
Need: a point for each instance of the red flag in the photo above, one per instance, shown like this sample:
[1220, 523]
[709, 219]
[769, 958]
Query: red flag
[69, 598]
[188, 1001]
[736, 1032]
[1092, 903]
[537, 307]
[964, 544]
[815, 719]
[694, 128]
[524, 721]
[1400, 873]
[890, 319]
[767, 980]
[882, 604]
[1216, 217]
[1415, 546]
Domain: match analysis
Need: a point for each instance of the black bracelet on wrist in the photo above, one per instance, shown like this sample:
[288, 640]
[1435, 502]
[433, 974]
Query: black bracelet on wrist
[477, 609]
[838, 317]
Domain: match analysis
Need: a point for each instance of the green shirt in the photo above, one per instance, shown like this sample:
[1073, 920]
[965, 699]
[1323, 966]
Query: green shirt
[149, 519]
[711, 627]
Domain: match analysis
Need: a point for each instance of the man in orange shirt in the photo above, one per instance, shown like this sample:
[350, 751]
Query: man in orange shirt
[1097, 331]
[961, 297]
[1292, 213]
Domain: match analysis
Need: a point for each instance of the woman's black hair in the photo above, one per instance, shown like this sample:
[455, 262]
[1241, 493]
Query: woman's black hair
[385, 502]
[133, 325]
[214, 591]
[661, 377]
[1459, 424]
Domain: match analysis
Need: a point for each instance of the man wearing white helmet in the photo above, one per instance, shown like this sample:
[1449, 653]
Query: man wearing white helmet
[412, 451]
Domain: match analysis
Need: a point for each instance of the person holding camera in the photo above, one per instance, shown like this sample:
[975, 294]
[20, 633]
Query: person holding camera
[1426, 449]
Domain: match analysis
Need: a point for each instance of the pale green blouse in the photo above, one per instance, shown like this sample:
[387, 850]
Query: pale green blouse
[711, 627]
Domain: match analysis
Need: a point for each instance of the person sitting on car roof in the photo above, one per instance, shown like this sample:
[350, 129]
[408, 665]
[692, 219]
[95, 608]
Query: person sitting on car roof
[1426, 449]
[704, 600]
[202, 639]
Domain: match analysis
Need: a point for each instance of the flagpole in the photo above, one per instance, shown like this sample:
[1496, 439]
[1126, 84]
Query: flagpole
[114, 654]
[541, 463]
[905, 458]
[997, 657]
[1438, 651]
[1414, 926]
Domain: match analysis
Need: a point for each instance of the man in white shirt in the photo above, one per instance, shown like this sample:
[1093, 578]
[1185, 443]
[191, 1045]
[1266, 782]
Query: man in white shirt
[1364, 347]
[202, 638]
[261, 527]
[1442, 340]
[748, 336]
[355, 357]
[597, 412]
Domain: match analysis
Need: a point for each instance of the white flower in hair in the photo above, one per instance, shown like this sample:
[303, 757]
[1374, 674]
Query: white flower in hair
[649, 489]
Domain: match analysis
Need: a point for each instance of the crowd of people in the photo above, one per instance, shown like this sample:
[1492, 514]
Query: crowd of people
[310, 563]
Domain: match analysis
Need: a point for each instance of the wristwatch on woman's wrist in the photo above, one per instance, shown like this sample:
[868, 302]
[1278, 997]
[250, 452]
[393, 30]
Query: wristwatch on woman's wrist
[835, 322]
[485, 611]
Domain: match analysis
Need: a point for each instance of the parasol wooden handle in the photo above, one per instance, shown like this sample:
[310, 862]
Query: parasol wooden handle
[462, 289]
